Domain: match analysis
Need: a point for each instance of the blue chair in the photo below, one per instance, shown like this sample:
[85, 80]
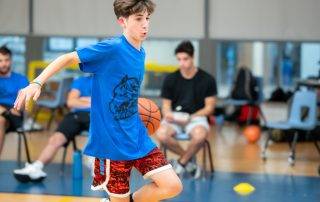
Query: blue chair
[57, 103]
[206, 149]
[302, 116]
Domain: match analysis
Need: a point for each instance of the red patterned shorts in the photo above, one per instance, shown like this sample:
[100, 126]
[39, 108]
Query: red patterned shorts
[114, 176]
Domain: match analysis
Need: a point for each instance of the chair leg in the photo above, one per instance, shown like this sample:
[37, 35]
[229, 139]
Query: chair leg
[74, 144]
[26, 146]
[317, 146]
[210, 156]
[35, 117]
[52, 115]
[265, 147]
[249, 119]
[164, 150]
[292, 156]
[63, 163]
[204, 158]
[19, 149]
[262, 114]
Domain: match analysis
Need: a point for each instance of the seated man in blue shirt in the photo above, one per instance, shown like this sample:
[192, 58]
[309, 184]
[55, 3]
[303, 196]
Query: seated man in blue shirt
[78, 120]
[10, 84]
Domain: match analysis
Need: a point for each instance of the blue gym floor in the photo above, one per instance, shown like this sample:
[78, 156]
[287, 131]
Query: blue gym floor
[219, 187]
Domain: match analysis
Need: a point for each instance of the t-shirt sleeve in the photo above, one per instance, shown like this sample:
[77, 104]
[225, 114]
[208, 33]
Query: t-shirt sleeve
[212, 87]
[91, 55]
[167, 88]
[76, 84]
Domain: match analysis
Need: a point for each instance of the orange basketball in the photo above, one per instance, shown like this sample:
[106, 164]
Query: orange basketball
[149, 114]
[252, 133]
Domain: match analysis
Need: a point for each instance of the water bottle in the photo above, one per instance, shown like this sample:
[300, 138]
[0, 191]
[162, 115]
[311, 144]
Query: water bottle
[77, 165]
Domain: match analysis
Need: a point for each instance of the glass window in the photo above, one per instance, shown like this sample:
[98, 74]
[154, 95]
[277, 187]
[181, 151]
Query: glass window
[277, 62]
[81, 42]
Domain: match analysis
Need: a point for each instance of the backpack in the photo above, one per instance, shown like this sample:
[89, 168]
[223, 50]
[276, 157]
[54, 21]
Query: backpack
[244, 86]
[279, 95]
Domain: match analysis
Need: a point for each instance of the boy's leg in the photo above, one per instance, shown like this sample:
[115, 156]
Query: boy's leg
[8, 122]
[165, 182]
[68, 128]
[165, 134]
[56, 141]
[113, 177]
[198, 129]
[165, 185]
[198, 136]
[2, 131]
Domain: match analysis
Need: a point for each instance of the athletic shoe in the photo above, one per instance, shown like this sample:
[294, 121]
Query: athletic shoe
[30, 173]
[177, 167]
[193, 169]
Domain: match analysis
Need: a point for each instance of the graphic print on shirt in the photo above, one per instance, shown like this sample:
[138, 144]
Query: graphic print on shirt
[124, 101]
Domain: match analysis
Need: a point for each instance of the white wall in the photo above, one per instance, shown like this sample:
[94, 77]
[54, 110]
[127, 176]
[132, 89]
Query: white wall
[14, 16]
[261, 19]
[178, 18]
[74, 17]
[173, 19]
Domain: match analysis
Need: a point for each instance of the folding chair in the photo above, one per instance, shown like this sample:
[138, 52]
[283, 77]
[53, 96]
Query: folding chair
[302, 116]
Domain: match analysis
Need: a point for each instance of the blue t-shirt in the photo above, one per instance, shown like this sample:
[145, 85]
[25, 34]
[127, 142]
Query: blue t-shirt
[83, 85]
[116, 130]
[10, 86]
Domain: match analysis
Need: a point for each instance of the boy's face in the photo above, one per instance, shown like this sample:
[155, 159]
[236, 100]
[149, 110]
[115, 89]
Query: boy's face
[5, 64]
[185, 61]
[136, 25]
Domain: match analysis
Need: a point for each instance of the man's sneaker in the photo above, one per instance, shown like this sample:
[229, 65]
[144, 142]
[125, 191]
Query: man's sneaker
[30, 173]
[100, 175]
[193, 169]
[177, 167]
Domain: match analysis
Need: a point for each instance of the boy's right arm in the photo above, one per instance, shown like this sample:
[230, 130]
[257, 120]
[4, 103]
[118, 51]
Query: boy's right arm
[166, 110]
[33, 90]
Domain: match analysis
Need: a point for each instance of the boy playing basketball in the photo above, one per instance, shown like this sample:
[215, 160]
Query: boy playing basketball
[118, 138]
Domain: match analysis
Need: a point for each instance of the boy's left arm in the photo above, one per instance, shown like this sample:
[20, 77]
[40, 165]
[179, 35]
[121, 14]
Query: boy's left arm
[208, 108]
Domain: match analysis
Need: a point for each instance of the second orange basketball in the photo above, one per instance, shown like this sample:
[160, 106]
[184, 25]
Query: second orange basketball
[150, 114]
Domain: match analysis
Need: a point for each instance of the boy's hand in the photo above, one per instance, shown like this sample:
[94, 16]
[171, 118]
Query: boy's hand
[32, 91]
[169, 117]
[15, 112]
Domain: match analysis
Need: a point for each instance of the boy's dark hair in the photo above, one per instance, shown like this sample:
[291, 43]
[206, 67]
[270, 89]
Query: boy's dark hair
[125, 8]
[185, 47]
[5, 51]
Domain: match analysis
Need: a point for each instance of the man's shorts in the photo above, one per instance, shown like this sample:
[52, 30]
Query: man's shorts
[194, 122]
[15, 121]
[73, 124]
[114, 176]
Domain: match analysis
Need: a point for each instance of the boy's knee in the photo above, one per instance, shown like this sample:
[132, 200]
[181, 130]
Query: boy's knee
[199, 134]
[2, 121]
[163, 134]
[57, 140]
[174, 188]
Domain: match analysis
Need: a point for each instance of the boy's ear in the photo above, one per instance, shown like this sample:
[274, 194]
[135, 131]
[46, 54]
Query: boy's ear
[122, 21]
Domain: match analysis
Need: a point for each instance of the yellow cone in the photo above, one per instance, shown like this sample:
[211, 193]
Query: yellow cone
[244, 189]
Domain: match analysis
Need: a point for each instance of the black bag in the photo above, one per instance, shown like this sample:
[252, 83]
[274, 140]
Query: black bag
[244, 86]
[279, 95]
